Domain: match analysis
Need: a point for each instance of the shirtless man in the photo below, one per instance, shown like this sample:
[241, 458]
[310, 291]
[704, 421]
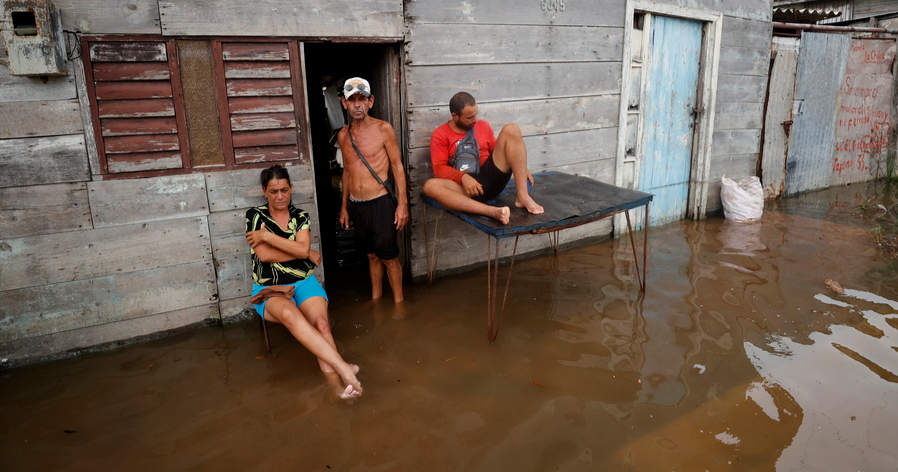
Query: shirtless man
[367, 203]
[500, 158]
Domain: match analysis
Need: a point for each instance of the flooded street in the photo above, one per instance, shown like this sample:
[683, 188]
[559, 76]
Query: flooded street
[738, 357]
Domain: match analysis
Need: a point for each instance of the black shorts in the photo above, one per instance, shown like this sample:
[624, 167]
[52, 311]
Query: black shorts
[491, 179]
[374, 228]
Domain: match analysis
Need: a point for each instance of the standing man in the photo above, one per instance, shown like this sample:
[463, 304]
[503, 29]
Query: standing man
[500, 158]
[366, 202]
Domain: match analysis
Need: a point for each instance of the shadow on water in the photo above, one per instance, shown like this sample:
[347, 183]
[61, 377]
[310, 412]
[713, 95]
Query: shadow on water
[737, 357]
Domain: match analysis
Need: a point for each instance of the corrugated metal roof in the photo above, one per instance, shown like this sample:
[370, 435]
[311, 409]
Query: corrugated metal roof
[803, 15]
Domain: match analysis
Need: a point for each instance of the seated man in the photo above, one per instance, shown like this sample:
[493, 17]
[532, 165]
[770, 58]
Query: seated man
[500, 158]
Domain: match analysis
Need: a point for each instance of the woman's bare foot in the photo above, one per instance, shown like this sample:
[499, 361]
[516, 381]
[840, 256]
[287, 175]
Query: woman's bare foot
[528, 203]
[347, 393]
[353, 386]
[350, 394]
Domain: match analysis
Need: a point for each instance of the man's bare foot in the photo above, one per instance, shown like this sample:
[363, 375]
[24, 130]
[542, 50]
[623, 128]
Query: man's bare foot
[528, 203]
[503, 214]
[398, 311]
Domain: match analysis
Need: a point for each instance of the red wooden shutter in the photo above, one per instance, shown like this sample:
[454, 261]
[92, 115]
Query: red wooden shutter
[264, 101]
[136, 108]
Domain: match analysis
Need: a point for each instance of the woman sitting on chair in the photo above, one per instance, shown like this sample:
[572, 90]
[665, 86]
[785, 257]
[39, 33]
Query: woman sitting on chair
[283, 261]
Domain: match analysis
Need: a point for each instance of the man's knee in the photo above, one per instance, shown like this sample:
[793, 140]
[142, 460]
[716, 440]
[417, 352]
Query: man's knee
[512, 131]
[432, 186]
[428, 186]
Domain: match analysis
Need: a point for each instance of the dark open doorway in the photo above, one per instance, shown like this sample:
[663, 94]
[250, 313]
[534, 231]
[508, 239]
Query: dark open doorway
[328, 65]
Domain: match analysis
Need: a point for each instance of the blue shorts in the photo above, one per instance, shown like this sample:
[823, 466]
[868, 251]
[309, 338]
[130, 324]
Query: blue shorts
[305, 289]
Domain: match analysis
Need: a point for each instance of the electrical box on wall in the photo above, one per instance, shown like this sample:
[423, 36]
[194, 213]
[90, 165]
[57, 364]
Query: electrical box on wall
[32, 35]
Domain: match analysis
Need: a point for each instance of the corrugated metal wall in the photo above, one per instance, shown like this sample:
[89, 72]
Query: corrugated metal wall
[821, 68]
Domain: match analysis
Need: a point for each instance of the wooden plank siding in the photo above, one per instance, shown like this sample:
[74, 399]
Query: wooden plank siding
[284, 18]
[113, 202]
[741, 91]
[492, 13]
[40, 118]
[110, 16]
[38, 310]
[70, 343]
[46, 160]
[55, 258]
[16, 88]
[36, 210]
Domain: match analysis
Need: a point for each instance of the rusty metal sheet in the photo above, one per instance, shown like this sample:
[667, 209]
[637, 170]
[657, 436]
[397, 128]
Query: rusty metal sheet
[821, 69]
[863, 112]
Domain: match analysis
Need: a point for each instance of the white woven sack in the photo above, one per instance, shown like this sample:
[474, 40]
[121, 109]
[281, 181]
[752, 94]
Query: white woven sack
[743, 201]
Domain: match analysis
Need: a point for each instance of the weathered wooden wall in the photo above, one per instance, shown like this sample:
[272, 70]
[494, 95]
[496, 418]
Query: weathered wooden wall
[557, 74]
[288, 18]
[741, 89]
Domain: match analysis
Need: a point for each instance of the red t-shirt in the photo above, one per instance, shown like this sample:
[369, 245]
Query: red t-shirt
[444, 140]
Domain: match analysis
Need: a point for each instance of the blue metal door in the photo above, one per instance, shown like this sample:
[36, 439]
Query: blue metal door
[671, 91]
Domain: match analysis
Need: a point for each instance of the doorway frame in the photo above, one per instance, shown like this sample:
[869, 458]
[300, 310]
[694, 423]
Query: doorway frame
[390, 105]
[707, 93]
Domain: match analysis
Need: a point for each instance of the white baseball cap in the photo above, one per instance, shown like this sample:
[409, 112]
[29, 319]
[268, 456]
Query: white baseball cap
[356, 85]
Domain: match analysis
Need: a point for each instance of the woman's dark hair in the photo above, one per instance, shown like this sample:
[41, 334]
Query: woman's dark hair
[276, 171]
[459, 101]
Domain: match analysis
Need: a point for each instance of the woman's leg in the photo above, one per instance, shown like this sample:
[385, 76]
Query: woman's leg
[284, 311]
[314, 309]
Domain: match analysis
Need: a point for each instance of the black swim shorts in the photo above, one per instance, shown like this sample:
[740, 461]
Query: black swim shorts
[491, 179]
[374, 227]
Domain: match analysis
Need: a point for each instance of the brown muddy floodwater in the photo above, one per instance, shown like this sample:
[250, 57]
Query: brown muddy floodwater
[737, 358]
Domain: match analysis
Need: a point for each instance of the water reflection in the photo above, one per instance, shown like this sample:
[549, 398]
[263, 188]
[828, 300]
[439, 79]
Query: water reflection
[845, 383]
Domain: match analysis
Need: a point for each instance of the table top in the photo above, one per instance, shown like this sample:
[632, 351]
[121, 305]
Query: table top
[568, 200]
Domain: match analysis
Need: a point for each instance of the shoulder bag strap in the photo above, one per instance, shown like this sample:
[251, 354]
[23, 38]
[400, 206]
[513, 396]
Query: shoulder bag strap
[365, 161]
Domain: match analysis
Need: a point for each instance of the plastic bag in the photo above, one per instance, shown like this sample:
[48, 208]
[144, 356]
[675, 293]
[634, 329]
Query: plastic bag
[743, 201]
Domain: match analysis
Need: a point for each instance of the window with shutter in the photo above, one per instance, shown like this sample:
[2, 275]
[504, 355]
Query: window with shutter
[134, 106]
[265, 102]
[164, 105]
